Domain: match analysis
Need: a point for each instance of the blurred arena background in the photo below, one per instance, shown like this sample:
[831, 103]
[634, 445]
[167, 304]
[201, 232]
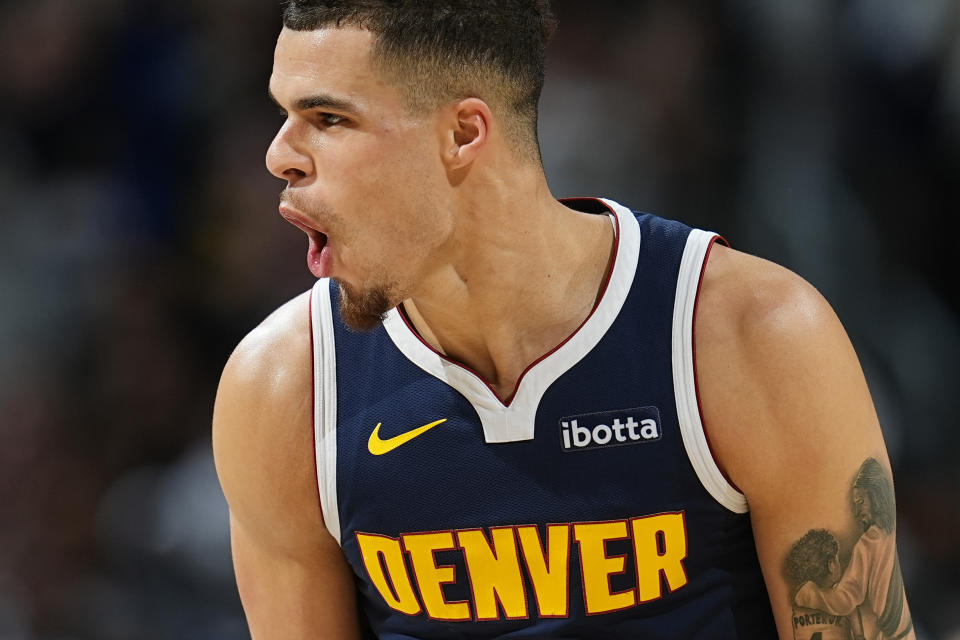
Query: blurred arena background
[139, 241]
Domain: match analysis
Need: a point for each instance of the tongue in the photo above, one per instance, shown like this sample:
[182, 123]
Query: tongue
[315, 257]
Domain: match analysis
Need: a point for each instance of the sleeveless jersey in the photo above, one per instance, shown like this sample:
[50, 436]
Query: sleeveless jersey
[588, 506]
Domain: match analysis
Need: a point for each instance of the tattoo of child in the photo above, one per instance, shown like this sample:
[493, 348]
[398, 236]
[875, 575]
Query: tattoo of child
[865, 599]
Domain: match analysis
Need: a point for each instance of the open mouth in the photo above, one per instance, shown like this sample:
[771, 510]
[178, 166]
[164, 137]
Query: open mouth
[317, 238]
[318, 260]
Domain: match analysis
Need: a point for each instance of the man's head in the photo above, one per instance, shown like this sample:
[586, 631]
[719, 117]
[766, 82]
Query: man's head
[813, 558]
[391, 106]
[438, 51]
[873, 501]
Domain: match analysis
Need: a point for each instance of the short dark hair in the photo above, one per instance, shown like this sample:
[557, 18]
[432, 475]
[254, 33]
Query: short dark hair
[440, 50]
[810, 556]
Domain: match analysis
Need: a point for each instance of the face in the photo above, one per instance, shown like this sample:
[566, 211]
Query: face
[863, 508]
[365, 180]
[835, 572]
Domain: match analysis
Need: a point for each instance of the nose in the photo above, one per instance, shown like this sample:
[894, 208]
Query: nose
[286, 158]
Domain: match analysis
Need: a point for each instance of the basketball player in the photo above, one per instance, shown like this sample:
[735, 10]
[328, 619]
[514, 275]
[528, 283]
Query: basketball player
[497, 414]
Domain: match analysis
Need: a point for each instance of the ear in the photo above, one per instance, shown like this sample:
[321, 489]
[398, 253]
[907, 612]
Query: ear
[468, 132]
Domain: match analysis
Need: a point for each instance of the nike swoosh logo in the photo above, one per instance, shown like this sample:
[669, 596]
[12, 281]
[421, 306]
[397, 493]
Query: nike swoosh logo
[378, 446]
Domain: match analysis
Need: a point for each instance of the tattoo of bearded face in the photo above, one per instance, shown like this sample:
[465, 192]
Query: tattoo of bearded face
[863, 599]
[873, 501]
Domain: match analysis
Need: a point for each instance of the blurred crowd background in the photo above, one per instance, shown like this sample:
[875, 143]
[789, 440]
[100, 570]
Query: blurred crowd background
[139, 241]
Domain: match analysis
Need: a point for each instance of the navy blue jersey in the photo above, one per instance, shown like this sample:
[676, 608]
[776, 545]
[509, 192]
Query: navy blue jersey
[587, 506]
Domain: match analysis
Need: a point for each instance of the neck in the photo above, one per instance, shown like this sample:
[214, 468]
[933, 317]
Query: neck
[523, 275]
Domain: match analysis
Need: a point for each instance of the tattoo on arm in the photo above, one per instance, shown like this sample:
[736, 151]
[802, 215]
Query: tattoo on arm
[862, 599]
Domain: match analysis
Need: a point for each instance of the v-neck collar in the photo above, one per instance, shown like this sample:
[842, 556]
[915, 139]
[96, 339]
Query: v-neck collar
[513, 421]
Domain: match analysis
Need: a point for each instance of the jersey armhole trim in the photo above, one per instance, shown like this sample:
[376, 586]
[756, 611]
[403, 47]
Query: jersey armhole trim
[325, 404]
[695, 441]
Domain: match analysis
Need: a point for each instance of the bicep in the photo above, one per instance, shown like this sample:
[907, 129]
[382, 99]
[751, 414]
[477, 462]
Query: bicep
[293, 596]
[795, 428]
[822, 562]
[293, 579]
[821, 436]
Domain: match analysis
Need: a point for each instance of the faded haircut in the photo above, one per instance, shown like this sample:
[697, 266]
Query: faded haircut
[439, 51]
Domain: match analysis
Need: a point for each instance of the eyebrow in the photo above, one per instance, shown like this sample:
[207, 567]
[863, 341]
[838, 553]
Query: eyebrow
[318, 101]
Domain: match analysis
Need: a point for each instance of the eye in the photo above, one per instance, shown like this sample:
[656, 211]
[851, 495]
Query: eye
[330, 119]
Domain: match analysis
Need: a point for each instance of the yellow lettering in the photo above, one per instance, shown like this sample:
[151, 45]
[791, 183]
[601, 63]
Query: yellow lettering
[494, 573]
[651, 562]
[394, 585]
[548, 569]
[431, 578]
[597, 567]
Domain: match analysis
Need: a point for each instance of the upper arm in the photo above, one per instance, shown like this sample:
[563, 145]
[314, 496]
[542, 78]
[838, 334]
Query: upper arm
[793, 425]
[293, 579]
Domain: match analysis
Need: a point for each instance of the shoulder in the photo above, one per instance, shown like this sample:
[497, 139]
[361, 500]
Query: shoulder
[268, 375]
[750, 300]
[775, 368]
[278, 346]
[765, 323]
[262, 423]
[874, 543]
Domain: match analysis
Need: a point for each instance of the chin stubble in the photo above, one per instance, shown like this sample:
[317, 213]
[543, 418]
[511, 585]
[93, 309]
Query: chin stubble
[364, 310]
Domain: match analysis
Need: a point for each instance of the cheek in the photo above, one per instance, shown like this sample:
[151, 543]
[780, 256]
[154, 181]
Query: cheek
[402, 192]
[389, 192]
[368, 174]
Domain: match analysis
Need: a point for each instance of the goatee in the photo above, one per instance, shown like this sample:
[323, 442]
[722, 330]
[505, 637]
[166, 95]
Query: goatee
[364, 310]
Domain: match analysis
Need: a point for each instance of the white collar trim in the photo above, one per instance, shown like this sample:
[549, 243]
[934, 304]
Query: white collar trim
[514, 422]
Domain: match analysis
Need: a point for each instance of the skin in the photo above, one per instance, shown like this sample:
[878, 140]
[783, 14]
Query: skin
[442, 213]
[861, 502]
[786, 406]
[836, 570]
[423, 205]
